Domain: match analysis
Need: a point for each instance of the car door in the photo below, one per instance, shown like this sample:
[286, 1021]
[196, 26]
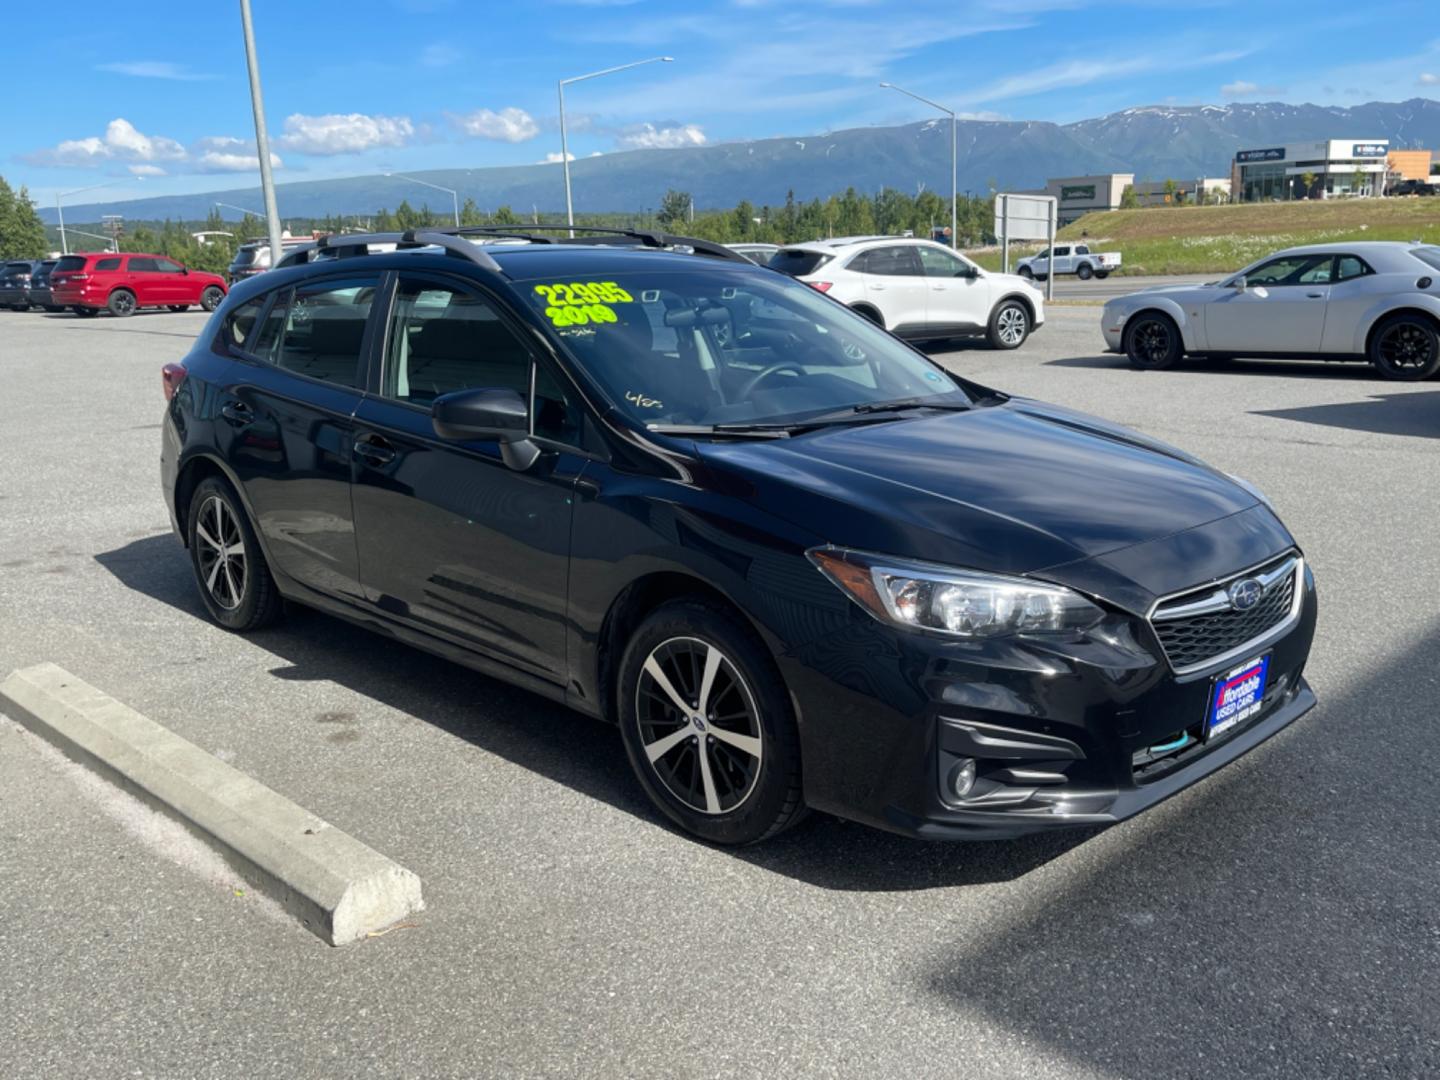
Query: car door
[1354, 289]
[452, 540]
[284, 424]
[896, 284]
[1280, 310]
[959, 298]
[1063, 262]
[141, 277]
[172, 284]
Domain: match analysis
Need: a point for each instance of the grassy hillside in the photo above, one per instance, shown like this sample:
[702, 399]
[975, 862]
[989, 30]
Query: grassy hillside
[1214, 239]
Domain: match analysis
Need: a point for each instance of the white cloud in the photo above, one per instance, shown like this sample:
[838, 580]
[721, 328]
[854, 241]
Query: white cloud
[1239, 88]
[665, 137]
[1429, 79]
[216, 161]
[508, 125]
[147, 170]
[555, 157]
[344, 133]
[153, 69]
[121, 142]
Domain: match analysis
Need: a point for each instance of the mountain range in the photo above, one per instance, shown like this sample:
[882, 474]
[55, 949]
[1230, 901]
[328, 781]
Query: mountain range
[1153, 142]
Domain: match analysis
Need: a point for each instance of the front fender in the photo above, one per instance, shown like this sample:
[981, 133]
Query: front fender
[1192, 331]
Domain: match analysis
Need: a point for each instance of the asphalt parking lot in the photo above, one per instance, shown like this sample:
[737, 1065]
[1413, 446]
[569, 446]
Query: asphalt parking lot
[1277, 920]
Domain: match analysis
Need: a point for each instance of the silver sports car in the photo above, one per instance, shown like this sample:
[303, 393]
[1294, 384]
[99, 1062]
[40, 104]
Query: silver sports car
[1377, 301]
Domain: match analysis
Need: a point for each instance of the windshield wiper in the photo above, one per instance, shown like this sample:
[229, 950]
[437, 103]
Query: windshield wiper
[910, 403]
[754, 431]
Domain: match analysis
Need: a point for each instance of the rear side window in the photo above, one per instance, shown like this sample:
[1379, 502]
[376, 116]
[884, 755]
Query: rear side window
[143, 264]
[889, 262]
[1350, 266]
[1430, 256]
[247, 332]
[324, 329]
[109, 264]
[797, 263]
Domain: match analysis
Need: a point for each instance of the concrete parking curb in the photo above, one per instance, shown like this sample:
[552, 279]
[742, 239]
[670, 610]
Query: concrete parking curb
[339, 888]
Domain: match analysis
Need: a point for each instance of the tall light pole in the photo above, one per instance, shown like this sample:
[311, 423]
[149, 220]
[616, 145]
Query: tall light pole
[454, 195]
[564, 142]
[954, 160]
[243, 209]
[113, 241]
[60, 210]
[262, 137]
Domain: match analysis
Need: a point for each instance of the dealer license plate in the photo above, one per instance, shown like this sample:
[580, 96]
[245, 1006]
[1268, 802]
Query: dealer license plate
[1239, 694]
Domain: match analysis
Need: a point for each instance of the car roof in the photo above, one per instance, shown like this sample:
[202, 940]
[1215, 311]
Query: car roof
[1375, 251]
[836, 244]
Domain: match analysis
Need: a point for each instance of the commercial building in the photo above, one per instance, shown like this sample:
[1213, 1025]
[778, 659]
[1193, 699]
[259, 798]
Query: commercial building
[1077, 196]
[1416, 165]
[1325, 169]
[1182, 192]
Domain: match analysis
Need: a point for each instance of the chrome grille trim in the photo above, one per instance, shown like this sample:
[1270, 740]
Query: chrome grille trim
[1203, 600]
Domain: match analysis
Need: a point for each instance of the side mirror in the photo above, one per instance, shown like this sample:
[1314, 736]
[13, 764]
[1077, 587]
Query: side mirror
[488, 412]
[969, 272]
[1239, 283]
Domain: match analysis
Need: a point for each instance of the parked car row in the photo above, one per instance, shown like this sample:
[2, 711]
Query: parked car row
[90, 282]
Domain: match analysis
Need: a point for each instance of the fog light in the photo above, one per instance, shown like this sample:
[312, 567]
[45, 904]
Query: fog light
[962, 777]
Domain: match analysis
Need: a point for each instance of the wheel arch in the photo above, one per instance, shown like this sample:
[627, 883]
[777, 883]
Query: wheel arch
[1365, 333]
[194, 471]
[1175, 313]
[629, 609]
[869, 311]
[1022, 299]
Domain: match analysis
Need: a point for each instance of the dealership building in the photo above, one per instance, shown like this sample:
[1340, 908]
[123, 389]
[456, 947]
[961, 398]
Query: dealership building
[1337, 167]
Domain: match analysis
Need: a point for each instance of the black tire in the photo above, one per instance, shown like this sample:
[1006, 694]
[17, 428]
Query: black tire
[1084, 273]
[1153, 342]
[212, 296]
[1102, 274]
[19, 307]
[1027, 273]
[122, 303]
[1042, 277]
[1009, 325]
[53, 308]
[763, 791]
[239, 593]
[178, 307]
[870, 313]
[1405, 348]
[86, 312]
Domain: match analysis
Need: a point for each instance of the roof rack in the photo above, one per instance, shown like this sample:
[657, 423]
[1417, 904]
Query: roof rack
[453, 241]
[598, 235]
[340, 247]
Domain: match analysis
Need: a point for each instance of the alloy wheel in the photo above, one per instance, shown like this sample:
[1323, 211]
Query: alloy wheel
[1406, 347]
[1151, 341]
[699, 725]
[221, 549]
[122, 304]
[1011, 325]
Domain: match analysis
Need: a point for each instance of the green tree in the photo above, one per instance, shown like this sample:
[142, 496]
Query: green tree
[22, 235]
[506, 216]
[1358, 180]
[1307, 183]
[675, 207]
[470, 213]
[1128, 199]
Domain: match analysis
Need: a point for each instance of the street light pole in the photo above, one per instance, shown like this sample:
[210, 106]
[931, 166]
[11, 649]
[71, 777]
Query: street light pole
[243, 209]
[60, 210]
[454, 195]
[954, 159]
[262, 137]
[564, 141]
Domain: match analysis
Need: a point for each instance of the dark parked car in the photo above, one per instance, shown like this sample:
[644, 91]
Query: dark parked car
[90, 282]
[15, 283]
[40, 295]
[796, 562]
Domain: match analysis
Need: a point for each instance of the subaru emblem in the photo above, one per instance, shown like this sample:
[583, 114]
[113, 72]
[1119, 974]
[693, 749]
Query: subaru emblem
[1245, 594]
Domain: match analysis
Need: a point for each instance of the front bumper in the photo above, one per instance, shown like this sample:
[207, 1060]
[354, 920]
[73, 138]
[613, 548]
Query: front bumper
[1060, 731]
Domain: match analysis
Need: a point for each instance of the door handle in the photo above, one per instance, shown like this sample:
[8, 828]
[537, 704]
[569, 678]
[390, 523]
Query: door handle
[374, 451]
[1315, 296]
[878, 288]
[237, 412]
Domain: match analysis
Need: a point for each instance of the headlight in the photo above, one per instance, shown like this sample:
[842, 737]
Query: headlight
[957, 603]
[1253, 490]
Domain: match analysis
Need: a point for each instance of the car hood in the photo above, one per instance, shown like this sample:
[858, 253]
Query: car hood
[1014, 281]
[1012, 488]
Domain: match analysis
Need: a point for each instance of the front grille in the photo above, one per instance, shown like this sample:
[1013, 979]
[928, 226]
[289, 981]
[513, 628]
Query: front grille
[1202, 626]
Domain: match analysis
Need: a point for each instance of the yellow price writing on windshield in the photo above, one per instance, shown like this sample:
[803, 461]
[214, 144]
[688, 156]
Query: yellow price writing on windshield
[580, 303]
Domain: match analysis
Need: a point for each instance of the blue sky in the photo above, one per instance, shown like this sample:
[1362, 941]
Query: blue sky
[402, 85]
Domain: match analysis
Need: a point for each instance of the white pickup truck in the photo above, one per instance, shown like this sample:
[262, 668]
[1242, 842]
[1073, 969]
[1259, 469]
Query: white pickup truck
[1077, 259]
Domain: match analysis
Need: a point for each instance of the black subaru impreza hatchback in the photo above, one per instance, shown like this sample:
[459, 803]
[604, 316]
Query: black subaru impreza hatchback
[796, 562]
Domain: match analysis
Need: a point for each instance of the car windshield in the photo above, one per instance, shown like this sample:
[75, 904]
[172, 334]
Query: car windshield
[71, 262]
[712, 346]
[1430, 256]
[245, 256]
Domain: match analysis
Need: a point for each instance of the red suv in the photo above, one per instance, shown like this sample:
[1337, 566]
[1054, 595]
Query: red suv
[89, 281]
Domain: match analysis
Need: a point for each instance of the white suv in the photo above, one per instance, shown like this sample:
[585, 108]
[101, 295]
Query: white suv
[916, 289]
